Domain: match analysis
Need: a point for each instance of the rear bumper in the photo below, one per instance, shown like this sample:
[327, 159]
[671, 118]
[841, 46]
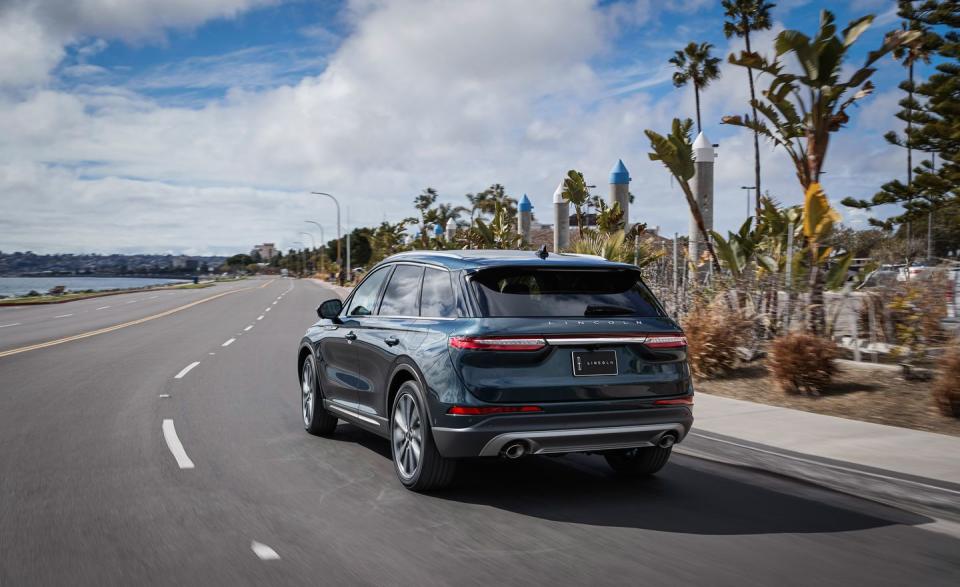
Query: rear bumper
[549, 433]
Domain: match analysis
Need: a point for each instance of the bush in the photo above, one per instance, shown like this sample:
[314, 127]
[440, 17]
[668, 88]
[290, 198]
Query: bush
[802, 363]
[714, 330]
[946, 387]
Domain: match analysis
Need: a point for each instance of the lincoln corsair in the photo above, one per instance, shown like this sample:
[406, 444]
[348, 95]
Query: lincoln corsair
[453, 355]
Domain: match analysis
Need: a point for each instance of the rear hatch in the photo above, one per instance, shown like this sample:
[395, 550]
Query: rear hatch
[568, 334]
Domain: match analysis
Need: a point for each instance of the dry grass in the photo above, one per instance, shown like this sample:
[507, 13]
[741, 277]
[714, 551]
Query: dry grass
[802, 363]
[946, 386]
[714, 330]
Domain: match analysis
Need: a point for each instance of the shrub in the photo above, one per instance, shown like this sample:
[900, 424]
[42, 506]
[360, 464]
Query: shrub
[714, 330]
[946, 387]
[802, 363]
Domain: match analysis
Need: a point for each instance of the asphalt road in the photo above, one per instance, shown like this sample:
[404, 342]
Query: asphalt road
[115, 471]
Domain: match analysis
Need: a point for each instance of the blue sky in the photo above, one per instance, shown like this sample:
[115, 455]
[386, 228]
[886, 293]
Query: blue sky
[199, 126]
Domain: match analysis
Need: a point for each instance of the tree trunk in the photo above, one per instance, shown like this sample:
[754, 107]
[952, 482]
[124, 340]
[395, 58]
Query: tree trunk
[756, 135]
[816, 318]
[696, 95]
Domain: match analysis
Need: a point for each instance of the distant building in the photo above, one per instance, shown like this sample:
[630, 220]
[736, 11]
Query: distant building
[266, 251]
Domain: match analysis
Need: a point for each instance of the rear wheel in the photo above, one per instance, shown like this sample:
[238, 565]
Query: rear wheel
[635, 463]
[419, 466]
[316, 420]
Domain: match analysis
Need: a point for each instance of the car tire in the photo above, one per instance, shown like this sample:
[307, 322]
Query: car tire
[636, 463]
[416, 460]
[316, 419]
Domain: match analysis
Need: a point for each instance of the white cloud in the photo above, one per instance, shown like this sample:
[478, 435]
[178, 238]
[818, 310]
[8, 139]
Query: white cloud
[451, 95]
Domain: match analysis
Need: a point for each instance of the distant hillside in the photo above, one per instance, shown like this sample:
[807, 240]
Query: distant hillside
[29, 263]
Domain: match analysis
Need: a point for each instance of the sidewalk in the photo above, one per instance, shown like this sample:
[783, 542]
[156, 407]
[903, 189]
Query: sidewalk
[907, 468]
[342, 292]
[902, 450]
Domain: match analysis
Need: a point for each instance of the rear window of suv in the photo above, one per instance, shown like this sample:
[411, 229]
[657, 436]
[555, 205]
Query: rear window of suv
[522, 291]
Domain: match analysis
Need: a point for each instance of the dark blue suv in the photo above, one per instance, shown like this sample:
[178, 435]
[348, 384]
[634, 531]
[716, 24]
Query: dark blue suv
[460, 354]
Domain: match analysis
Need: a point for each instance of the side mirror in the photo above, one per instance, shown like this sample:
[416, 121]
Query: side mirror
[330, 309]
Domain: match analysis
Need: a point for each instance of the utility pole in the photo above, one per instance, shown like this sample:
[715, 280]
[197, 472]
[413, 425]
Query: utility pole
[339, 255]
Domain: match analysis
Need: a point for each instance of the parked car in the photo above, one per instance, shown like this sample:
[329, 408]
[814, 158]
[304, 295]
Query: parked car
[467, 354]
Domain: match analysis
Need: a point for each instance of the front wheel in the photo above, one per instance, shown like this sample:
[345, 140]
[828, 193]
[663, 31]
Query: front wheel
[635, 463]
[316, 420]
[418, 463]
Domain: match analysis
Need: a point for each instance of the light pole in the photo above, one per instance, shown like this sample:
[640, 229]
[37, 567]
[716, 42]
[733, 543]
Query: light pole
[313, 245]
[748, 188]
[339, 255]
[323, 243]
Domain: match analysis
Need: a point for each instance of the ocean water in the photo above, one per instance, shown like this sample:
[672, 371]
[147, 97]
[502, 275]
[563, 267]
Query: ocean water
[18, 286]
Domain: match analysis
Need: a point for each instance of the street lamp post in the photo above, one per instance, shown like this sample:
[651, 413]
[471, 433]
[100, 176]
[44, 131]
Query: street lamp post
[323, 243]
[748, 188]
[313, 246]
[339, 252]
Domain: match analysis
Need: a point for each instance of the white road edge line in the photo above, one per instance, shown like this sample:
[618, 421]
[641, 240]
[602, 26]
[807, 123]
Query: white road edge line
[247, 329]
[176, 448]
[63, 316]
[103, 307]
[132, 301]
[229, 342]
[260, 317]
[6, 325]
[186, 370]
[264, 552]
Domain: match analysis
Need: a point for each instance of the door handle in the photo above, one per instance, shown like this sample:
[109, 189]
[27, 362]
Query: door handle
[350, 335]
[392, 341]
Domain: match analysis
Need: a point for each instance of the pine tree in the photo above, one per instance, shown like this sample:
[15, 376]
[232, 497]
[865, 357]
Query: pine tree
[932, 112]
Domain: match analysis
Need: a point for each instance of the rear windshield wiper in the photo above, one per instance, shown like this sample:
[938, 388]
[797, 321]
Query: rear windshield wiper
[605, 310]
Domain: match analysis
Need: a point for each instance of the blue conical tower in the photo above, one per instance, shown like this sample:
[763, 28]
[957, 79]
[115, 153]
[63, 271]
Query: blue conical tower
[620, 189]
[525, 209]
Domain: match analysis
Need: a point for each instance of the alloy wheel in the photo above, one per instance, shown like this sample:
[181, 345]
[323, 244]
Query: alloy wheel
[407, 436]
[307, 395]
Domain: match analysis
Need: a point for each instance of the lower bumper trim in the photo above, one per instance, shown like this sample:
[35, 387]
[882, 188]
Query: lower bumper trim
[583, 439]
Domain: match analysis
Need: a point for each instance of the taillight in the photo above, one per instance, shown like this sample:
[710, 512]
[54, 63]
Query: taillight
[484, 410]
[497, 343]
[680, 401]
[666, 342]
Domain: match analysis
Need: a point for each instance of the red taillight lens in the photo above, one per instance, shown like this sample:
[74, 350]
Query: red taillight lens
[484, 410]
[497, 343]
[680, 401]
[666, 342]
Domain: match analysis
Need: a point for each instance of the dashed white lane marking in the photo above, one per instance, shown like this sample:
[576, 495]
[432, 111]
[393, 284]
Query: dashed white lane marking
[274, 304]
[7, 325]
[186, 370]
[264, 552]
[153, 298]
[260, 317]
[247, 329]
[176, 448]
[229, 342]
[132, 302]
[267, 310]
[213, 353]
[103, 307]
[164, 395]
[63, 316]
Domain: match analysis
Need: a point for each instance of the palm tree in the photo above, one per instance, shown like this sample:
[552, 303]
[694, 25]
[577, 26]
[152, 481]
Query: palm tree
[694, 64]
[743, 17]
[424, 202]
[576, 192]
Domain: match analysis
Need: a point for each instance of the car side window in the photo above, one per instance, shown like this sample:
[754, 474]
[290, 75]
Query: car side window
[364, 300]
[437, 300]
[402, 296]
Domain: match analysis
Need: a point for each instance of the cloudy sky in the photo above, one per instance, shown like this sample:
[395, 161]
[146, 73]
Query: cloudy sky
[200, 126]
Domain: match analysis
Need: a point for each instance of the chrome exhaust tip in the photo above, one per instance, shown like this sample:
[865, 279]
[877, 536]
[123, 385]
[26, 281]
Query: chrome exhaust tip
[515, 450]
[667, 440]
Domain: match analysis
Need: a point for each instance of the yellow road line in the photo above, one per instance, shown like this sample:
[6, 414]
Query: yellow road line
[50, 343]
